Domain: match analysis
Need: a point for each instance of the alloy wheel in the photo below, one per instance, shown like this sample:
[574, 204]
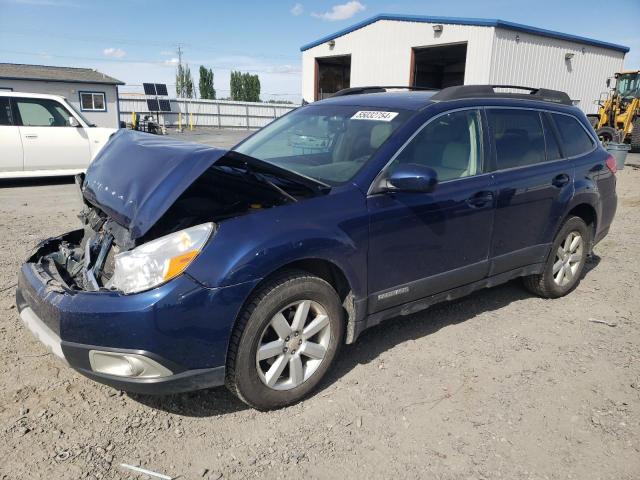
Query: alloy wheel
[568, 259]
[293, 345]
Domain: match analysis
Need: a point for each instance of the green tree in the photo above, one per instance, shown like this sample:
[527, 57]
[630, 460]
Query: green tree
[206, 84]
[244, 87]
[184, 81]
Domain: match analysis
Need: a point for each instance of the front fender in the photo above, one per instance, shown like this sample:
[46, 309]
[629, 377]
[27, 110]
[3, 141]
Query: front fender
[248, 248]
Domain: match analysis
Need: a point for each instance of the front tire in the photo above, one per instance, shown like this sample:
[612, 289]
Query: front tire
[285, 340]
[566, 261]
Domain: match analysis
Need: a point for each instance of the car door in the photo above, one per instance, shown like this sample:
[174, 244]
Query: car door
[533, 186]
[48, 140]
[425, 243]
[10, 142]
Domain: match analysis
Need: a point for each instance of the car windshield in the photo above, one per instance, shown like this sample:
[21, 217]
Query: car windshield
[78, 113]
[629, 85]
[329, 143]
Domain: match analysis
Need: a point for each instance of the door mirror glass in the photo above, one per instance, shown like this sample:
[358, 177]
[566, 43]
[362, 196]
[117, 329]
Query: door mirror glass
[73, 122]
[411, 178]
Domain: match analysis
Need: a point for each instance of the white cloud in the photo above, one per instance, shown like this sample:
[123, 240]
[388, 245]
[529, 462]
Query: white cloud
[341, 12]
[114, 52]
[167, 53]
[171, 61]
[297, 9]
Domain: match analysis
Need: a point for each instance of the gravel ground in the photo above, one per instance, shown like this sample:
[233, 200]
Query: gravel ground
[498, 385]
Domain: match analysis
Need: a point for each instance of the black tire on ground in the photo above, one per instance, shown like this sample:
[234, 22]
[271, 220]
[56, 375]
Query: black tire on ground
[608, 134]
[635, 135]
[242, 377]
[544, 284]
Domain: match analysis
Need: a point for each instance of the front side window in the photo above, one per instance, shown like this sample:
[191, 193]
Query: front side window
[575, 139]
[518, 137]
[92, 101]
[451, 144]
[41, 112]
[330, 143]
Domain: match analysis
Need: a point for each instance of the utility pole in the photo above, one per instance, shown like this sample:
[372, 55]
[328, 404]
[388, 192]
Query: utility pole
[180, 78]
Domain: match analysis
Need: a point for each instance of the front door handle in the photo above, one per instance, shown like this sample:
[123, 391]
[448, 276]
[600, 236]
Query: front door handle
[480, 199]
[561, 180]
[31, 135]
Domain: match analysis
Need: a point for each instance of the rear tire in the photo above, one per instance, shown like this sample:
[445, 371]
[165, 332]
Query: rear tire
[635, 135]
[608, 134]
[566, 261]
[285, 340]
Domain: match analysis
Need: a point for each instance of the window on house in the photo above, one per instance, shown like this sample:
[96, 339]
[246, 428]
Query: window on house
[93, 101]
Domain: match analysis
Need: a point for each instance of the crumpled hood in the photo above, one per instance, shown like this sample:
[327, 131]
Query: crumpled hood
[137, 176]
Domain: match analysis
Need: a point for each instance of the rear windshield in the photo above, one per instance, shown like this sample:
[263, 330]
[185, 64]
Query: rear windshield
[326, 142]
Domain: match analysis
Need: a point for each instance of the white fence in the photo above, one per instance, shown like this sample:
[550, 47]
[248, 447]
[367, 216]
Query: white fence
[207, 113]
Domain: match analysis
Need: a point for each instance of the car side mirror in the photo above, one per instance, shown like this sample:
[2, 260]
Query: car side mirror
[411, 178]
[73, 122]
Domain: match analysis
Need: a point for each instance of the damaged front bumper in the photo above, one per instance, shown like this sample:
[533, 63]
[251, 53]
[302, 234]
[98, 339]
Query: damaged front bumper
[173, 338]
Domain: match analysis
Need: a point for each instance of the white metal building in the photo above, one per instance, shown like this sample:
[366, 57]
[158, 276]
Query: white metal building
[93, 93]
[438, 52]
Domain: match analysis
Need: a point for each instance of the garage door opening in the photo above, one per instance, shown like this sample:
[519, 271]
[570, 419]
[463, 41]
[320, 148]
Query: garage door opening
[332, 74]
[438, 67]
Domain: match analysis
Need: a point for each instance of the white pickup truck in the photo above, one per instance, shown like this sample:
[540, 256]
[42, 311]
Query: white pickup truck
[43, 135]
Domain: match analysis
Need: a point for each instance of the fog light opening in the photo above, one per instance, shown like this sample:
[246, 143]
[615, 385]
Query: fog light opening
[130, 365]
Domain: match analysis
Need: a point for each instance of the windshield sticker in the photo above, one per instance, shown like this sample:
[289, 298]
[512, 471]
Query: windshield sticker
[374, 115]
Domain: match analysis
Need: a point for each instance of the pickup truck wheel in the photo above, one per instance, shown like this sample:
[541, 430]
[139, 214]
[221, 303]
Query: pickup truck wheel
[566, 261]
[285, 340]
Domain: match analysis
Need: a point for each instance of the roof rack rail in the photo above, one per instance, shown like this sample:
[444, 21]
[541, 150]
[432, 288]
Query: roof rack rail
[376, 89]
[482, 91]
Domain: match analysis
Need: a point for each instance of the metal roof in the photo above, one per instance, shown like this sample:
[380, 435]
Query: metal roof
[18, 71]
[469, 21]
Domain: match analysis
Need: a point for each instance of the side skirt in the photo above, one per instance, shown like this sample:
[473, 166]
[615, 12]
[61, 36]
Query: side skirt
[424, 303]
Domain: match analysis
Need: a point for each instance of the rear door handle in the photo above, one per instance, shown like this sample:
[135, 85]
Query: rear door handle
[31, 136]
[480, 199]
[561, 180]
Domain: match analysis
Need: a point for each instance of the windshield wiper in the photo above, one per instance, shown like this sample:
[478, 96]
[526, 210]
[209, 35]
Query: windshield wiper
[263, 179]
[237, 159]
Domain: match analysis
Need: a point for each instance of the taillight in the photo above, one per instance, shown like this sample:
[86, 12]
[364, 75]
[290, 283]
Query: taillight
[611, 164]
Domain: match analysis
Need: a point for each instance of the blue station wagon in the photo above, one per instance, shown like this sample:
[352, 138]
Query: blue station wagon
[197, 267]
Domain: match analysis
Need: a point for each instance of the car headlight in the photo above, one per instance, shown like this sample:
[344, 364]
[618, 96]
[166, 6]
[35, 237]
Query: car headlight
[160, 260]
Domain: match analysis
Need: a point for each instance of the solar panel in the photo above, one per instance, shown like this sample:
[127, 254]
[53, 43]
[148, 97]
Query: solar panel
[165, 105]
[161, 88]
[149, 88]
[152, 105]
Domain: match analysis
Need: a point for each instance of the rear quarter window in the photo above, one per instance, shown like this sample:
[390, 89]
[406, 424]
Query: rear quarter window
[575, 139]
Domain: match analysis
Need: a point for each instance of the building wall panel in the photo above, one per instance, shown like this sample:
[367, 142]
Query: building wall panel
[381, 52]
[531, 60]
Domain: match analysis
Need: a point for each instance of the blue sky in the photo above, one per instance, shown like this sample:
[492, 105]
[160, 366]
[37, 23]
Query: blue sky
[135, 40]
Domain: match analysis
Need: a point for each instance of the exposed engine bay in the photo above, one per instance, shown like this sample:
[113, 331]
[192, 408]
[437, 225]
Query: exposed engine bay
[85, 259]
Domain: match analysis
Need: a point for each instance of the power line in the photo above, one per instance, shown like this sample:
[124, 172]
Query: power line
[148, 62]
[99, 39]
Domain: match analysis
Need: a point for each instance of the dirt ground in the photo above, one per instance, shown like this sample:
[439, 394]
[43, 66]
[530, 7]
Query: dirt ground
[500, 384]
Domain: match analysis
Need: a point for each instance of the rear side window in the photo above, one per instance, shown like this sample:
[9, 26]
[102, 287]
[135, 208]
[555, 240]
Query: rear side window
[553, 149]
[518, 137]
[5, 112]
[575, 139]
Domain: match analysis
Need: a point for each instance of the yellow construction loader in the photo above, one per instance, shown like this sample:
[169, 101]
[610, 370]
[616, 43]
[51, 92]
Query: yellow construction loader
[618, 117]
